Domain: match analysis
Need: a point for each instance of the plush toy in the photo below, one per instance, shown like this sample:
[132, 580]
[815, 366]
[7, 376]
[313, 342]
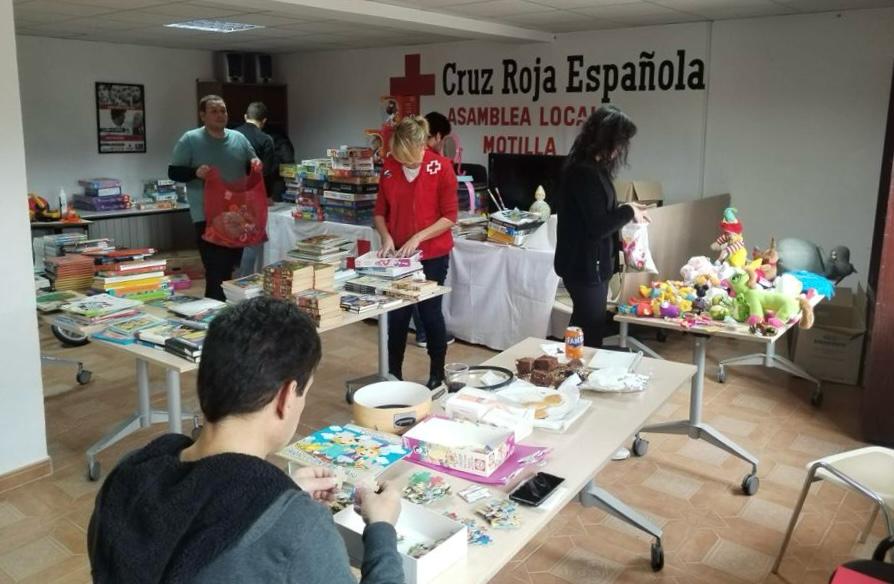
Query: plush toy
[39, 209]
[700, 266]
[760, 301]
[764, 269]
[797, 255]
[540, 206]
[731, 243]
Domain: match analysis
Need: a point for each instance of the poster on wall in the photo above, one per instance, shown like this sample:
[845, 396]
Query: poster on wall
[120, 118]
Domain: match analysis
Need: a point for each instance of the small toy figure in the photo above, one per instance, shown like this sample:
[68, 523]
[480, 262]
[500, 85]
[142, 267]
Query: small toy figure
[540, 206]
[731, 243]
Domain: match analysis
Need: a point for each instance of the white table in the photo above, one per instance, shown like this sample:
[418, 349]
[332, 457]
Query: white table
[283, 231]
[512, 289]
[577, 456]
[694, 427]
[174, 366]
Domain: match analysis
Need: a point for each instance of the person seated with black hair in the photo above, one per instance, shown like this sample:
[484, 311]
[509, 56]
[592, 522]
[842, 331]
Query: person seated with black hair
[215, 510]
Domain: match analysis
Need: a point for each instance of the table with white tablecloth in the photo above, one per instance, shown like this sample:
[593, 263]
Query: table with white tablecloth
[283, 231]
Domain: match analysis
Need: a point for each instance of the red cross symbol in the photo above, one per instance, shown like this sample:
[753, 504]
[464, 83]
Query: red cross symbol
[433, 167]
[413, 82]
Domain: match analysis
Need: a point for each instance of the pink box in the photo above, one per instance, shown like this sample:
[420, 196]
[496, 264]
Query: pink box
[459, 445]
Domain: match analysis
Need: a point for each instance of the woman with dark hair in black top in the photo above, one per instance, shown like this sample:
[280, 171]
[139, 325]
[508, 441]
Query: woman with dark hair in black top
[589, 217]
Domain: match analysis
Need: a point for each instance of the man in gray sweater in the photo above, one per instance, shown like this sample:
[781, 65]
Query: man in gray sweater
[215, 510]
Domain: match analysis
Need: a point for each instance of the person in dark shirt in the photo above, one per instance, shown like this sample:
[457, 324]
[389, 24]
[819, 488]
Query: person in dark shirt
[589, 217]
[253, 129]
[214, 510]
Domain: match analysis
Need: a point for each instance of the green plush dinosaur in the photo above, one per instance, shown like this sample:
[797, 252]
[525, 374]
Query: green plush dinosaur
[759, 301]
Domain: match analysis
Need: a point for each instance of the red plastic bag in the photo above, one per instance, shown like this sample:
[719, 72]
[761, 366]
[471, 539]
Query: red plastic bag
[235, 212]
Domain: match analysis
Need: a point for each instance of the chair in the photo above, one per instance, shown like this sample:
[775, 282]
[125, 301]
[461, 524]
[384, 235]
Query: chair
[869, 471]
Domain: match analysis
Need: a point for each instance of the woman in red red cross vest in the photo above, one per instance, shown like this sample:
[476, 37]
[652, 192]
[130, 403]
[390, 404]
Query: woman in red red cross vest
[415, 210]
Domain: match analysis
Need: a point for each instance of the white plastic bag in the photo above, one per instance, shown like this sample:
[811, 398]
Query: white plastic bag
[635, 242]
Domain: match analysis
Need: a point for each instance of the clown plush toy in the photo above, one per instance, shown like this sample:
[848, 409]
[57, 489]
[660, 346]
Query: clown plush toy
[731, 244]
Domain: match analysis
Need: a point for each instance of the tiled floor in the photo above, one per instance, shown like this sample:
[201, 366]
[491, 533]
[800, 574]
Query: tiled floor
[712, 533]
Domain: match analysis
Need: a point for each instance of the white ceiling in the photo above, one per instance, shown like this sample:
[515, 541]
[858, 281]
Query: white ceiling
[301, 25]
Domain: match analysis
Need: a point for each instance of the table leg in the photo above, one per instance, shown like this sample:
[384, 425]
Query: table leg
[174, 413]
[625, 341]
[770, 359]
[145, 410]
[595, 496]
[383, 345]
[696, 429]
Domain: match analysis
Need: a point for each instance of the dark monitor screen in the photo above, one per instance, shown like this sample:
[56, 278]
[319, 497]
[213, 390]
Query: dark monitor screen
[518, 175]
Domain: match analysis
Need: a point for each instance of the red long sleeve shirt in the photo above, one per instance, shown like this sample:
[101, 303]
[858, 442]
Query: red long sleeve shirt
[410, 207]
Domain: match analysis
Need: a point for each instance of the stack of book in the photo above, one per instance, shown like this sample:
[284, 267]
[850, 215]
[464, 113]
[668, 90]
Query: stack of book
[101, 194]
[54, 245]
[349, 195]
[512, 227]
[410, 289]
[321, 249]
[361, 303]
[324, 277]
[198, 313]
[308, 190]
[368, 285]
[471, 227]
[89, 246]
[53, 301]
[370, 264]
[156, 336]
[132, 273]
[322, 306]
[70, 272]
[124, 331]
[187, 346]
[159, 194]
[244, 288]
[286, 278]
[100, 309]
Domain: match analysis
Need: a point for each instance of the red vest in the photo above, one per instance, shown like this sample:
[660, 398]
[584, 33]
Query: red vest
[410, 207]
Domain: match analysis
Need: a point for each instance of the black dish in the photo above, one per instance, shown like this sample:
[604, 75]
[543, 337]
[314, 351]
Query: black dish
[476, 371]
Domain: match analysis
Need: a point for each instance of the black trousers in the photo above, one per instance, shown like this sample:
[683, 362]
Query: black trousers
[589, 310]
[219, 262]
[432, 319]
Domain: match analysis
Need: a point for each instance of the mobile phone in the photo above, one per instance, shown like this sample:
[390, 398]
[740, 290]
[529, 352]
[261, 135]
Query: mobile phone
[536, 489]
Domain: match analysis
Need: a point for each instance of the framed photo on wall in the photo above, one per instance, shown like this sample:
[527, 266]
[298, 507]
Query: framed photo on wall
[120, 118]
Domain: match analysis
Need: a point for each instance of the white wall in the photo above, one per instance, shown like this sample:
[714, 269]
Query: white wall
[669, 146]
[791, 124]
[796, 125]
[59, 108]
[22, 430]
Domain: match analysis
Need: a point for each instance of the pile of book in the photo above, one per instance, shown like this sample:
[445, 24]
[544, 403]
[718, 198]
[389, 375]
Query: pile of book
[124, 331]
[512, 227]
[305, 190]
[321, 249]
[362, 303]
[101, 194]
[89, 246]
[370, 264]
[197, 313]
[286, 278]
[156, 336]
[100, 309]
[322, 306]
[131, 273]
[471, 227]
[187, 345]
[69, 272]
[349, 196]
[159, 194]
[54, 245]
[410, 289]
[368, 285]
[244, 288]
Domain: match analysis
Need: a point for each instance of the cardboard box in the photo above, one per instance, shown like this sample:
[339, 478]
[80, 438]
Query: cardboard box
[643, 191]
[833, 349]
[416, 524]
[463, 446]
[477, 405]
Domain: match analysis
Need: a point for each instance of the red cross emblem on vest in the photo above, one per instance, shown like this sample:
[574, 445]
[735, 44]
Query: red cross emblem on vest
[433, 167]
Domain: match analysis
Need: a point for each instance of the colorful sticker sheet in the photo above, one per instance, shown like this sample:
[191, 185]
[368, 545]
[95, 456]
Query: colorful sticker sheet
[424, 488]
